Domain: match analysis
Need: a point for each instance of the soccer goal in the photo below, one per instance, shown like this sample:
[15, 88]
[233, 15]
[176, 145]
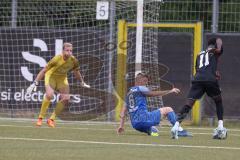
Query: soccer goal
[105, 38]
[32, 32]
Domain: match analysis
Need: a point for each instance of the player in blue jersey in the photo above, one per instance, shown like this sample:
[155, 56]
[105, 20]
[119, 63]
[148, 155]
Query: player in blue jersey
[141, 119]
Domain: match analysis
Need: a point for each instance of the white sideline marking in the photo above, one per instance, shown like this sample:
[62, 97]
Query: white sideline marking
[73, 128]
[62, 122]
[99, 129]
[89, 123]
[114, 143]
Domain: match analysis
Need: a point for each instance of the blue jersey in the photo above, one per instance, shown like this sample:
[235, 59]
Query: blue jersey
[136, 100]
[136, 103]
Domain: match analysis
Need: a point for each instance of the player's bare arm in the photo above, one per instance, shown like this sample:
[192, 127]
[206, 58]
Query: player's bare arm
[41, 74]
[120, 129]
[33, 86]
[162, 93]
[79, 77]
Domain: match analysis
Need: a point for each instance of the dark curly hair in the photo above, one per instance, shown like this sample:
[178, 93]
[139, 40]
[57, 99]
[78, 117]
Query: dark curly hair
[212, 41]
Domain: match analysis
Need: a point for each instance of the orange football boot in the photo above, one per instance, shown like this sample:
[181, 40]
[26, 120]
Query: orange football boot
[51, 123]
[39, 122]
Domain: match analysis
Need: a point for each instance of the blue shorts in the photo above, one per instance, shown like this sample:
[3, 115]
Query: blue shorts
[144, 120]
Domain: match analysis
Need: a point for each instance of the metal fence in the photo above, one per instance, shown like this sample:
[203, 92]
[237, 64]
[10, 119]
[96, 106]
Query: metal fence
[217, 15]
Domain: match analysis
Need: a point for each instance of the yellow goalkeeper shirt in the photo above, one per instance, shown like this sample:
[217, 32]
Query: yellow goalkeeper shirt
[57, 66]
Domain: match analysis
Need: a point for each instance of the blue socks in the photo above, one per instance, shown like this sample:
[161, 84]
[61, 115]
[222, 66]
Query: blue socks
[172, 117]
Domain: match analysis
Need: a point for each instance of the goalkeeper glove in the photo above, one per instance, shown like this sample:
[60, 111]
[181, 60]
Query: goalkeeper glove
[85, 85]
[32, 87]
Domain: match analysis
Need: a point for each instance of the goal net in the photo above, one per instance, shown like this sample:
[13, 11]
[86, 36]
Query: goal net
[32, 32]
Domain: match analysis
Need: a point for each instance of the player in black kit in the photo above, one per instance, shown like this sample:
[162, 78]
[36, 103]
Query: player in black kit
[206, 81]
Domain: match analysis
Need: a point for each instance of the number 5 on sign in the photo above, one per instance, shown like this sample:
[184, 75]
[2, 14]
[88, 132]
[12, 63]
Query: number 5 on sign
[102, 10]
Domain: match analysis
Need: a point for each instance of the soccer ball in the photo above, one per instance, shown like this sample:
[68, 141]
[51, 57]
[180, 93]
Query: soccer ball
[223, 134]
[220, 133]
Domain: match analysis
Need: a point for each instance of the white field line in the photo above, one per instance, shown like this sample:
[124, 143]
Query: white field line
[116, 143]
[101, 129]
[20, 120]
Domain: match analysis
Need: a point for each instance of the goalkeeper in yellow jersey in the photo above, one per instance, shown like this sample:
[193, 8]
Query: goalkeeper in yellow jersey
[55, 73]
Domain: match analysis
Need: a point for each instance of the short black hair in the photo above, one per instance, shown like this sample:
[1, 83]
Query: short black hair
[212, 41]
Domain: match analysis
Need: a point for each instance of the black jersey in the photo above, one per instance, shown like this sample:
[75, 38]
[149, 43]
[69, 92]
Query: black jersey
[206, 66]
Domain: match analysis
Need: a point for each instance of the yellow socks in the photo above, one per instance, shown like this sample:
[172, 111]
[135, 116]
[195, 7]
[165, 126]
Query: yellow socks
[44, 107]
[57, 111]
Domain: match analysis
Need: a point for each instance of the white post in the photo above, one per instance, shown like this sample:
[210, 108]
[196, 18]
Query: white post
[139, 31]
[14, 14]
[215, 14]
[111, 53]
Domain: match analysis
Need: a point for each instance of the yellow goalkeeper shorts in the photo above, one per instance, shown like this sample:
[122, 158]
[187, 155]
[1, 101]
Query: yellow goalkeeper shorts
[56, 82]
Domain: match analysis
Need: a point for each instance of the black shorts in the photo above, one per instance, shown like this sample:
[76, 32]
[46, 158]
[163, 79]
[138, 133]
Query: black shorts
[199, 88]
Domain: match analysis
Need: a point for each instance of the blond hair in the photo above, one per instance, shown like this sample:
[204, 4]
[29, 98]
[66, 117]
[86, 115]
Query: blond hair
[142, 74]
[66, 44]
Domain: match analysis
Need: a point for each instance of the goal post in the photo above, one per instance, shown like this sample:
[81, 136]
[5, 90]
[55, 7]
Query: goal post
[122, 58]
[121, 84]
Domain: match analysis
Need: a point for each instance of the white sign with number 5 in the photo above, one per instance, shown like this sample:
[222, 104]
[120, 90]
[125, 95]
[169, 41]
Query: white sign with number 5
[102, 10]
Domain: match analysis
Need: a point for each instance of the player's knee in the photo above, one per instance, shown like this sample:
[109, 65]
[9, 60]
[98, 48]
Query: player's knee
[217, 99]
[49, 95]
[65, 99]
[169, 109]
[165, 110]
[190, 102]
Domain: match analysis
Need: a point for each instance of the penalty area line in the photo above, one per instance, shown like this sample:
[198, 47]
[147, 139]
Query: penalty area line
[118, 143]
